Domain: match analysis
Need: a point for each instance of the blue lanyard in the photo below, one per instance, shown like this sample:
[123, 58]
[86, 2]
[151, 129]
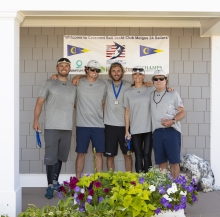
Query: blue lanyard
[128, 143]
[38, 139]
[113, 87]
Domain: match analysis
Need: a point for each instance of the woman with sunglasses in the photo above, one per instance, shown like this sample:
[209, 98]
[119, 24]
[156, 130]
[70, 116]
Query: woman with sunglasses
[138, 118]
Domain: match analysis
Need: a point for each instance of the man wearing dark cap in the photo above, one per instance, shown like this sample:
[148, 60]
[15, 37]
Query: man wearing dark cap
[59, 96]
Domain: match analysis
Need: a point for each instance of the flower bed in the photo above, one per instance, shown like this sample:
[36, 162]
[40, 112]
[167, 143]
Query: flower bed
[129, 194]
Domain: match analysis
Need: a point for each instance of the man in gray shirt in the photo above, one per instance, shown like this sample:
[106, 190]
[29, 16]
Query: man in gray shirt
[167, 111]
[114, 115]
[91, 92]
[59, 96]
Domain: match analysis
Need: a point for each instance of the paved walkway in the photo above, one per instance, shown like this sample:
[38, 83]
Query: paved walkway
[208, 204]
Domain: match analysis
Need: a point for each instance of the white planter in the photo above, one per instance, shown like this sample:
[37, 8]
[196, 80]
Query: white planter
[179, 213]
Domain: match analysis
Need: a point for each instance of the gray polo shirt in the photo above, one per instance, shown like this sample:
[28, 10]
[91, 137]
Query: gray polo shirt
[114, 113]
[60, 98]
[138, 101]
[90, 96]
[158, 110]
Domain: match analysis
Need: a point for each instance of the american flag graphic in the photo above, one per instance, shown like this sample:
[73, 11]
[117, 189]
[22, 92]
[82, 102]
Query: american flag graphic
[111, 50]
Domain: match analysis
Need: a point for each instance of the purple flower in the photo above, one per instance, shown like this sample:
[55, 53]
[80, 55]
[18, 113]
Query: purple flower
[90, 186]
[169, 176]
[176, 207]
[60, 195]
[169, 206]
[183, 199]
[89, 200]
[77, 189]
[75, 195]
[194, 198]
[169, 186]
[141, 180]
[163, 200]
[82, 209]
[161, 190]
[182, 206]
[100, 199]
[77, 200]
[189, 188]
[157, 211]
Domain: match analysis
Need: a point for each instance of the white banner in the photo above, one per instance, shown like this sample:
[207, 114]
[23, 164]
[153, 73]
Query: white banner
[151, 52]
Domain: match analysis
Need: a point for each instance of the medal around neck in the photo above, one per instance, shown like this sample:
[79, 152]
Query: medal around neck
[116, 93]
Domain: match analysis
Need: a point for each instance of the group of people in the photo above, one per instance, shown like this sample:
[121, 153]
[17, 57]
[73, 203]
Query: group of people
[108, 113]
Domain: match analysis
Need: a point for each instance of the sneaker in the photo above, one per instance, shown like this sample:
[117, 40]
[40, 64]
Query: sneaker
[56, 187]
[50, 192]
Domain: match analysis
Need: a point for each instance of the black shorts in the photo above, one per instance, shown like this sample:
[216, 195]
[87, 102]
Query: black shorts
[114, 136]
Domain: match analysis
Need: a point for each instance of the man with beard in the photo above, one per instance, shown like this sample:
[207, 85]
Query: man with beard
[114, 115]
[60, 96]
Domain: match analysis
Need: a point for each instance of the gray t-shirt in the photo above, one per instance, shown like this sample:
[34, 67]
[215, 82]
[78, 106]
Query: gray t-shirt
[60, 98]
[138, 101]
[114, 113]
[159, 110]
[90, 96]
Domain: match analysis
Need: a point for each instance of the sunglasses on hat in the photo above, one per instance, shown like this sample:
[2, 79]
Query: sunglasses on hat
[94, 69]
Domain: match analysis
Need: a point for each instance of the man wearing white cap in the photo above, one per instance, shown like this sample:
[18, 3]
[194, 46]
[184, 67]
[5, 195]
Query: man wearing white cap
[59, 96]
[167, 111]
[91, 92]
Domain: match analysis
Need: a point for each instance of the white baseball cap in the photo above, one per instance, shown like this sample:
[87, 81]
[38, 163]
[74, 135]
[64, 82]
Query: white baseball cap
[139, 69]
[93, 64]
[160, 72]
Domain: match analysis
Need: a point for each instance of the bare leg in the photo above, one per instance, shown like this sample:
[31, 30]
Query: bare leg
[110, 163]
[98, 162]
[128, 162]
[163, 166]
[80, 160]
[175, 170]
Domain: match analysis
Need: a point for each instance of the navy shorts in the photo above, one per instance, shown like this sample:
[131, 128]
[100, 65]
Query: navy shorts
[85, 134]
[167, 145]
[114, 136]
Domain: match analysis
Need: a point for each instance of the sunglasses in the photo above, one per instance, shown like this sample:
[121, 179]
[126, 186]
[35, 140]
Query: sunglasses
[156, 79]
[94, 69]
[138, 69]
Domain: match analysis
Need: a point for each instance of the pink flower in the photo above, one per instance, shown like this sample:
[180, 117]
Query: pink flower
[97, 184]
[81, 196]
[133, 183]
[91, 192]
[106, 190]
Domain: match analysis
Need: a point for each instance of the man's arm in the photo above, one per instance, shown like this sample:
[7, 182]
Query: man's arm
[37, 112]
[127, 122]
[179, 116]
[75, 80]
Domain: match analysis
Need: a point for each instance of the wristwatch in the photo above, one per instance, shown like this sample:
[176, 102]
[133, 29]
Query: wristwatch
[174, 121]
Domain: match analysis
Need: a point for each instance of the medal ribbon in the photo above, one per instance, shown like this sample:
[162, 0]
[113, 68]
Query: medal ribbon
[113, 87]
[128, 141]
[38, 139]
